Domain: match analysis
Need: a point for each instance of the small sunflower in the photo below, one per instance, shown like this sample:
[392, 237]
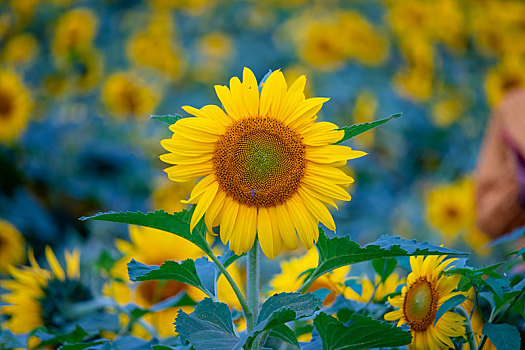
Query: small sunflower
[74, 32]
[153, 247]
[292, 277]
[11, 246]
[450, 208]
[426, 290]
[15, 106]
[268, 167]
[42, 297]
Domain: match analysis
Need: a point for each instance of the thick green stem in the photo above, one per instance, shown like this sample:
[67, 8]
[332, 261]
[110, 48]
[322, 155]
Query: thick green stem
[468, 329]
[252, 274]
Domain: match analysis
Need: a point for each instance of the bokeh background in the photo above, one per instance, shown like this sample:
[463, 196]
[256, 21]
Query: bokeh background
[79, 80]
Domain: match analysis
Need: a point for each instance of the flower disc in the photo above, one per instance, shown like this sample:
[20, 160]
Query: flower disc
[420, 305]
[259, 161]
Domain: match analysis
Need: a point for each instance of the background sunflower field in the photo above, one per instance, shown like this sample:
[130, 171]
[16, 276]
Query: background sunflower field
[79, 80]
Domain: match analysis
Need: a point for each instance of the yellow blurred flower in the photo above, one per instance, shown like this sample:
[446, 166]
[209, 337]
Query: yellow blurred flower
[153, 247]
[507, 75]
[168, 194]
[156, 48]
[410, 17]
[322, 46]
[24, 9]
[364, 112]
[382, 289]
[415, 83]
[74, 32]
[34, 287]
[449, 23]
[361, 41]
[15, 106]
[126, 95]
[20, 49]
[216, 45]
[12, 250]
[447, 110]
[289, 281]
[216, 50]
[450, 208]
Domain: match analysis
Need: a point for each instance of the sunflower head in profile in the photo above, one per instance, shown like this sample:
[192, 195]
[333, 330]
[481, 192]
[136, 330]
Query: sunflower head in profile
[426, 290]
[39, 296]
[268, 168]
[15, 106]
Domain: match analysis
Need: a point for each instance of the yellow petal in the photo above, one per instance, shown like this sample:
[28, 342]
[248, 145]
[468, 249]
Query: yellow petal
[73, 264]
[214, 210]
[54, 265]
[250, 90]
[225, 96]
[209, 113]
[303, 222]
[332, 153]
[264, 232]
[229, 216]
[326, 188]
[317, 209]
[206, 125]
[328, 172]
[200, 188]
[204, 203]
[236, 91]
[183, 173]
[183, 145]
[285, 224]
[322, 133]
[306, 110]
[174, 158]
[294, 96]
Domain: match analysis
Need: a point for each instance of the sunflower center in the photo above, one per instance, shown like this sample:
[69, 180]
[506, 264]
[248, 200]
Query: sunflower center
[6, 104]
[59, 297]
[420, 304]
[259, 161]
[452, 212]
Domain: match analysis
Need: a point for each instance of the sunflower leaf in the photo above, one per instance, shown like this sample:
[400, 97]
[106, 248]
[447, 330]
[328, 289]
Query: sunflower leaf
[341, 251]
[167, 118]
[361, 332]
[279, 309]
[210, 325]
[184, 272]
[503, 336]
[284, 333]
[449, 304]
[176, 223]
[357, 129]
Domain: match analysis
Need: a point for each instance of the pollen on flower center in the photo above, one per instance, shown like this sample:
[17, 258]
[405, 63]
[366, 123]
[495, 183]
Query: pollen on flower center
[420, 304]
[259, 161]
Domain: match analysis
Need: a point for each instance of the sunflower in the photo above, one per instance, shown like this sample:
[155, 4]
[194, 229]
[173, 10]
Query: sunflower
[39, 296]
[376, 291]
[74, 32]
[426, 290]
[15, 106]
[476, 320]
[268, 168]
[11, 246]
[292, 277]
[450, 208]
[20, 49]
[153, 247]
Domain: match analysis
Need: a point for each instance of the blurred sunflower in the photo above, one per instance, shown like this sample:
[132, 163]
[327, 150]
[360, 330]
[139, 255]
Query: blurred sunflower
[376, 291]
[322, 46]
[153, 247]
[450, 208]
[426, 290]
[446, 111]
[128, 96]
[292, 277]
[39, 296]
[166, 192]
[267, 166]
[12, 250]
[20, 50]
[15, 106]
[74, 32]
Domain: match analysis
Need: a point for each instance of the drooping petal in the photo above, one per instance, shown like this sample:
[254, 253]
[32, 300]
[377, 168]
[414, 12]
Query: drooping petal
[205, 201]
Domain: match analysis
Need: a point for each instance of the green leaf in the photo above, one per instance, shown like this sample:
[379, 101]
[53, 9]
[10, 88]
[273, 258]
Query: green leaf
[384, 267]
[341, 251]
[354, 130]
[284, 333]
[209, 326]
[449, 304]
[176, 223]
[503, 336]
[167, 118]
[362, 332]
[75, 336]
[184, 272]
[281, 308]
[97, 344]
[497, 285]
